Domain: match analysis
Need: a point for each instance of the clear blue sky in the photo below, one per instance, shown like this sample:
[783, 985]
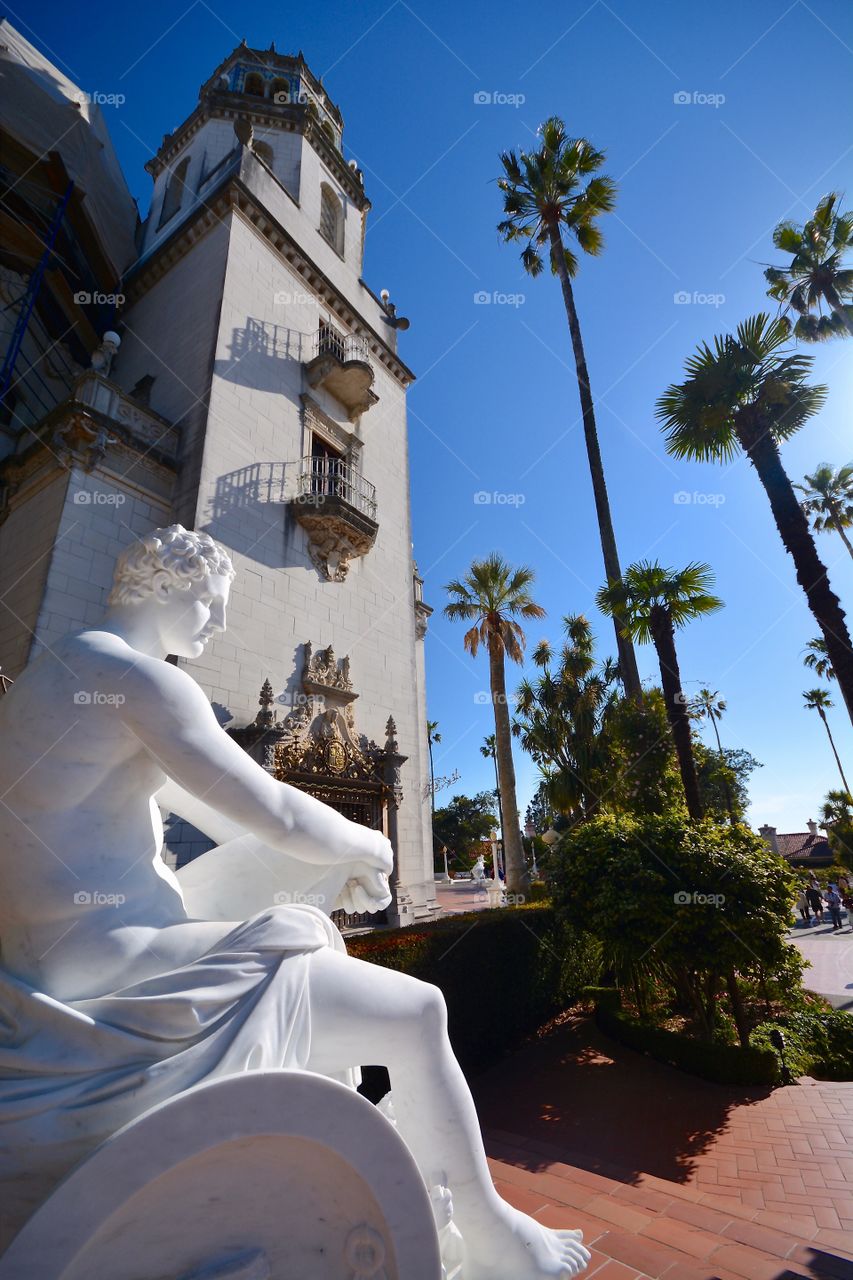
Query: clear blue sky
[495, 408]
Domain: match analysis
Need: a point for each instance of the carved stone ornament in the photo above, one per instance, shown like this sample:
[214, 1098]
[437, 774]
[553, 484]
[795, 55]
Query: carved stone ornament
[333, 541]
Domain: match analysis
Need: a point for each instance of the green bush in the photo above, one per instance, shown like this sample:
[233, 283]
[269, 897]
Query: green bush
[817, 1042]
[723, 1063]
[698, 909]
[503, 973]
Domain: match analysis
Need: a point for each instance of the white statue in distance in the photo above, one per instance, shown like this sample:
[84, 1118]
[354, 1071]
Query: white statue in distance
[123, 984]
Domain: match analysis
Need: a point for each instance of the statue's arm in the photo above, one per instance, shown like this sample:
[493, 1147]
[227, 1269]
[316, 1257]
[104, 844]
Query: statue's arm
[176, 799]
[167, 712]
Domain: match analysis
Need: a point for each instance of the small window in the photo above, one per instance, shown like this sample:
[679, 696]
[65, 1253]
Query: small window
[174, 192]
[331, 219]
[329, 131]
[254, 85]
[280, 92]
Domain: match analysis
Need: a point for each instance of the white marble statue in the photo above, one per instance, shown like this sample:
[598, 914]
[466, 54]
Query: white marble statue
[123, 984]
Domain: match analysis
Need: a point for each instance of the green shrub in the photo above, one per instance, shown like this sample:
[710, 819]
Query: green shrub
[503, 973]
[817, 1042]
[700, 908]
[723, 1063]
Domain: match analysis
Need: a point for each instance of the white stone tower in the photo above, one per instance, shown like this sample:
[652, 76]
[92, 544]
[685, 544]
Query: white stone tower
[249, 333]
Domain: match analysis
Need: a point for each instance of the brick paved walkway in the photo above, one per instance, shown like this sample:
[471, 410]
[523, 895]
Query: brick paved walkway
[668, 1175]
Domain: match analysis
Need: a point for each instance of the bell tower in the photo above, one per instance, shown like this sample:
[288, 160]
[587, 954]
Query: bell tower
[274, 105]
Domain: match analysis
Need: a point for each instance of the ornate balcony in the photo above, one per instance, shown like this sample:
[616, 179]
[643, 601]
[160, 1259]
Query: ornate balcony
[337, 509]
[341, 364]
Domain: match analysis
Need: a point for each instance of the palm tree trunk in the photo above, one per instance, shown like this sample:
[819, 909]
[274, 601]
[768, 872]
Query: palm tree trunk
[793, 527]
[663, 635]
[627, 657]
[729, 802]
[822, 715]
[514, 865]
[839, 527]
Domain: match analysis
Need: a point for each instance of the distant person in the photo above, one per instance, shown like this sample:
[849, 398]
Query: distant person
[815, 901]
[803, 905]
[833, 902]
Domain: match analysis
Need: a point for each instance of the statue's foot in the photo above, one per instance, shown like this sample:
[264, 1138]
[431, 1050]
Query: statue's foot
[517, 1247]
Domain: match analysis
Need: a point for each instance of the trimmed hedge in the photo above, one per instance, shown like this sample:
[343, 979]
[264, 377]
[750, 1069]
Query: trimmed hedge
[503, 973]
[722, 1063]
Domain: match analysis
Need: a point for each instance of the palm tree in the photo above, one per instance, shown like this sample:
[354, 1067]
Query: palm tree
[817, 659]
[829, 500]
[653, 602]
[746, 393]
[819, 700]
[489, 749]
[815, 274]
[492, 595]
[708, 705]
[544, 192]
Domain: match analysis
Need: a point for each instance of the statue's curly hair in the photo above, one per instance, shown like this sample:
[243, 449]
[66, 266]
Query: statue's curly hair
[186, 556]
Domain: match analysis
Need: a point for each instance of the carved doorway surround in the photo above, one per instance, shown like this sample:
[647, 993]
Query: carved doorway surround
[316, 747]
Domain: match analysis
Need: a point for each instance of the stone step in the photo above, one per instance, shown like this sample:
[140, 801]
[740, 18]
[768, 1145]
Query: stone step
[641, 1227]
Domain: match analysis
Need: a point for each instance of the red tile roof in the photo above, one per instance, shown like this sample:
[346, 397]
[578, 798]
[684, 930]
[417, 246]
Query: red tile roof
[802, 845]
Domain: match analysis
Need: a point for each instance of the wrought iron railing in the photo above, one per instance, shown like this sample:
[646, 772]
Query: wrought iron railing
[327, 476]
[328, 342]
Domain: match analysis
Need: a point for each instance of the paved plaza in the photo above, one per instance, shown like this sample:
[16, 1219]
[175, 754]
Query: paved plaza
[672, 1177]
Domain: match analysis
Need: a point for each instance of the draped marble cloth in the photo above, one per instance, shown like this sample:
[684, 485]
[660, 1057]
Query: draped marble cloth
[73, 1073]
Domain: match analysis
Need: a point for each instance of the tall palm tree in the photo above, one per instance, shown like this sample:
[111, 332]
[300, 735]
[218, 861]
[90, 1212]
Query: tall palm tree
[817, 659]
[492, 595]
[829, 500]
[489, 749]
[546, 192]
[708, 705]
[653, 602]
[815, 275]
[819, 700]
[746, 393]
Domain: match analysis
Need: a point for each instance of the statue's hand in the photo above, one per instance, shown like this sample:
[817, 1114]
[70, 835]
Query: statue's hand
[366, 891]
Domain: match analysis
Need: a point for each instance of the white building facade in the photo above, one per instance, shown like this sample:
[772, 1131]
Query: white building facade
[257, 395]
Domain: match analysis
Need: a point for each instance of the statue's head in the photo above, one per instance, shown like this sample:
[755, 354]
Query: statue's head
[182, 580]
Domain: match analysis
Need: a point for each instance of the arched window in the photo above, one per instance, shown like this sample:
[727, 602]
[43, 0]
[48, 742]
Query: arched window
[254, 85]
[174, 192]
[263, 151]
[328, 130]
[280, 91]
[331, 218]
